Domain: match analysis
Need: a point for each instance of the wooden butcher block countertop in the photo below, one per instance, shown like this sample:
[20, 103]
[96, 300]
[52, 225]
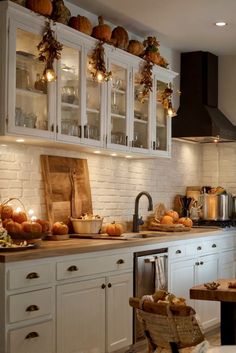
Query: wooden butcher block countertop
[82, 245]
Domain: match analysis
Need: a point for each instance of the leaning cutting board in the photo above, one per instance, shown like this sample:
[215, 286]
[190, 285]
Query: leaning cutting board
[67, 187]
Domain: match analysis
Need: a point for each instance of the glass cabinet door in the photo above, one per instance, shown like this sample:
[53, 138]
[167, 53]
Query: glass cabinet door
[161, 130]
[141, 113]
[31, 98]
[117, 106]
[70, 122]
[93, 123]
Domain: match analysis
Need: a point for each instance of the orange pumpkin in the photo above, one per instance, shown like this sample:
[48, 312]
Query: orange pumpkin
[114, 229]
[13, 228]
[186, 221]
[43, 7]
[60, 228]
[31, 227]
[173, 214]
[135, 47]
[46, 225]
[167, 220]
[102, 31]
[120, 38]
[6, 212]
[82, 24]
[19, 217]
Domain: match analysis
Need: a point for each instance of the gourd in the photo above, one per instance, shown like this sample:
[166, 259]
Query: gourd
[120, 38]
[135, 47]
[152, 50]
[186, 221]
[102, 31]
[114, 229]
[82, 24]
[60, 12]
[43, 7]
[173, 214]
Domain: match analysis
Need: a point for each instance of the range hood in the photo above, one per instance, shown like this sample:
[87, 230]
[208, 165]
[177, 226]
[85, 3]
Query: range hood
[198, 118]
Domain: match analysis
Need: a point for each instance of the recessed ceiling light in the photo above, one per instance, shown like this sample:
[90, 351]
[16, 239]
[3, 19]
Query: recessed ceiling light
[20, 140]
[220, 24]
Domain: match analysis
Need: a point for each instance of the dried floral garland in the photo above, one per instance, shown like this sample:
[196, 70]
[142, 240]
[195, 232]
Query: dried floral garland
[49, 50]
[97, 64]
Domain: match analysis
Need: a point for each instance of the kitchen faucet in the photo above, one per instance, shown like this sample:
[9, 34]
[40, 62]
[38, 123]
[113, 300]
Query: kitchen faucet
[136, 220]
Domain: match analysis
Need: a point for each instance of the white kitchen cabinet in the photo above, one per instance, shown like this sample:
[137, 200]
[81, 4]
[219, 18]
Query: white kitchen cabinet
[227, 264]
[76, 110]
[191, 265]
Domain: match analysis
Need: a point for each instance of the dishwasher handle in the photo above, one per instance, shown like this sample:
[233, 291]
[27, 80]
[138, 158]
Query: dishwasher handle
[152, 259]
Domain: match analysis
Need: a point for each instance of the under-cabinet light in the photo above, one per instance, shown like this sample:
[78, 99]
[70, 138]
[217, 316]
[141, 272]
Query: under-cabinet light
[128, 156]
[2, 145]
[221, 23]
[113, 154]
[20, 140]
[97, 152]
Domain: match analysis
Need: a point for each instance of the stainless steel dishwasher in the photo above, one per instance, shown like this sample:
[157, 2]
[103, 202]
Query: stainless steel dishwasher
[145, 279]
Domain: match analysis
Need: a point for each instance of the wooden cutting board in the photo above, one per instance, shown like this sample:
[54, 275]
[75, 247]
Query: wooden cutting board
[67, 187]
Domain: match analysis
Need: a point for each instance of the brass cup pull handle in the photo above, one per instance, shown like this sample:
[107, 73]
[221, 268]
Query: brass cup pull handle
[72, 268]
[32, 334]
[199, 248]
[120, 261]
[109, 285]
[32, 275]
[103, 286]
[31, 308]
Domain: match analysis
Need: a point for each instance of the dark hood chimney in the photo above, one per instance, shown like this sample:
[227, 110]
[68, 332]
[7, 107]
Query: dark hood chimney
[198, 118]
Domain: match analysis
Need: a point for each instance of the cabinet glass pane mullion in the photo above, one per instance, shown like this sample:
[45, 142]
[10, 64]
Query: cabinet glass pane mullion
[160, 140]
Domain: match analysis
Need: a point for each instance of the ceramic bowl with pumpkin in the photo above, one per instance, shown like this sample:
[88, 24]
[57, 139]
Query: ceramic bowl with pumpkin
[87, 226]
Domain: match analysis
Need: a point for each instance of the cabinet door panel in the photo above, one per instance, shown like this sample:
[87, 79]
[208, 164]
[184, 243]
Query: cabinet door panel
[81, 319]
[207, 271]
[119, 313]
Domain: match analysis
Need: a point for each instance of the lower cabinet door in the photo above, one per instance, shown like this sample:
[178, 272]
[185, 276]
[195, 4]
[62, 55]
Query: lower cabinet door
[37, 338]
[119, 313]
[81, 317]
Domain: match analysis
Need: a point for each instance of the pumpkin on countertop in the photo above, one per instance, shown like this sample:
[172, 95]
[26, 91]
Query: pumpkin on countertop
[120, 38]
[82, 24]
[102, 31]
[114, 229]
[43, 7]
[135, 47]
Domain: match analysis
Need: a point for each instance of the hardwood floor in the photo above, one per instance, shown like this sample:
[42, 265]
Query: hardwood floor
[213, 338]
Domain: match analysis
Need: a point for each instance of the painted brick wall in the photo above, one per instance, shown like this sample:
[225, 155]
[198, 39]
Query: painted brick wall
[115, 182]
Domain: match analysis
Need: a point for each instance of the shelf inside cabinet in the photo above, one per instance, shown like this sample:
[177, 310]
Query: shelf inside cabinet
[69, 106]
[30, 92]
[140, 121]
[119, 116]
[119, 91]
[93, 111]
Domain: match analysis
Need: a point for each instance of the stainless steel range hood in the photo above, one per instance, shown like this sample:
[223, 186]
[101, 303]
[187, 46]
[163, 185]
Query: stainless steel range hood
[198, 118]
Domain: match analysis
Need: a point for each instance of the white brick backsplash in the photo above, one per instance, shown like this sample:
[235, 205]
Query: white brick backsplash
[115, 182]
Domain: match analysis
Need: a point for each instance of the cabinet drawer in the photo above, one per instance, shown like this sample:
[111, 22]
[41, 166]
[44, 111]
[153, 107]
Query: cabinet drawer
[32, 339]
[89, 266]
[177, 252]
[29, 276]
[30, 305]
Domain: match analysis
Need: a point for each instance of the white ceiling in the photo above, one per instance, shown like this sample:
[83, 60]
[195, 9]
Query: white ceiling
[185, 25]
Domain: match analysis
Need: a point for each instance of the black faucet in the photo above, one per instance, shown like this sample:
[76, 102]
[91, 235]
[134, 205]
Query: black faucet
[136, 220]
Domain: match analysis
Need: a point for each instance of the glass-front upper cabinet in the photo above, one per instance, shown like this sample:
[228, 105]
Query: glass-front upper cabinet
[141, 115]
[69, 117]
[30, 108]
[94, 106]
[118, 103]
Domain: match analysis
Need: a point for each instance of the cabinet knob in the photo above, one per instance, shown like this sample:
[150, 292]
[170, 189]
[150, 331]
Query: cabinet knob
[199, 248]
[103, 286]
[32, 334]
[109, 285]
[201, 262]
[72, 268]
[32, 275]
[214, 246]
[197, 263]
[32, 308]
[178, 251]
[120, 261]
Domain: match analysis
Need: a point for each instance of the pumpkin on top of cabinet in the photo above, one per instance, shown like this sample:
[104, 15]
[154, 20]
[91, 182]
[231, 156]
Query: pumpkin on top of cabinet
[102, 31]
[43, 7]
[120, 38]
[82, 24]
[152, 50]
[60, 12]
[114, 229]
[135, 47]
